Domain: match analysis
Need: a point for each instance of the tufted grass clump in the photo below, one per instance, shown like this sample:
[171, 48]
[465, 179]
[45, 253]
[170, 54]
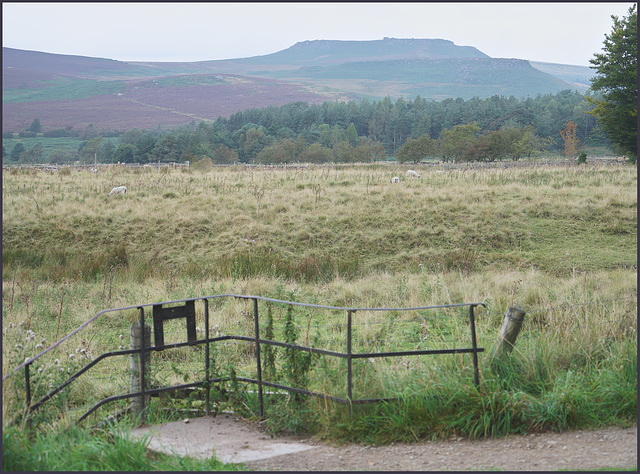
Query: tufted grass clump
[81, 449]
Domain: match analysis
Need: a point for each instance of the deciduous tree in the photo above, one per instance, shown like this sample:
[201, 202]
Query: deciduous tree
[124, 153]
[57, 157]
[457, 140]
[224, 154]
[414, 150]
[16, 151]
[90, 149]
[570, 140]
[315, 153]
[32, 155]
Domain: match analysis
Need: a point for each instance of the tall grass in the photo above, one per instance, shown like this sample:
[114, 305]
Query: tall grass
[272, 222]
[79, 449]
[559, 242]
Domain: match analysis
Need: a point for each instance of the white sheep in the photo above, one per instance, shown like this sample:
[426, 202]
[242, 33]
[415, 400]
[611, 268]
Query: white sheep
[118, 190]
[412, 174]
[395, 179]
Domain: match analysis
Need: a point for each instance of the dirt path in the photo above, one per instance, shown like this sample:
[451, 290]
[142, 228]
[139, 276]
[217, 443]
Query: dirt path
[237, 440]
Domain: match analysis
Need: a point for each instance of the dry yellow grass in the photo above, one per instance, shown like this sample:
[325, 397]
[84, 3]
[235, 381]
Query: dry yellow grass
[559, 242]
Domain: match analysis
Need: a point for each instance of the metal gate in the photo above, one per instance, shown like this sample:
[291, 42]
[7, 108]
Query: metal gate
[185, 310]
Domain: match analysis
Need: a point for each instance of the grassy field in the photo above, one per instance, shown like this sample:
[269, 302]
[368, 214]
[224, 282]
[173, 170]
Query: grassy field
[69, 145]
[62, 89]
[560, 242]
[318, 223]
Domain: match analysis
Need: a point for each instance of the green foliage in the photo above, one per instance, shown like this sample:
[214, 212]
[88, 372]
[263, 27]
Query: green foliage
[89, 150]
[16, 151]
[35, 126]
[415, 150]
[32, 155]
[298, 132]
[582, 158]
[205, 164]
[315, 153]
[268, 351]
[81, 449]
[616, 79]
[60, 157]
[224, 154]
[456, 141]
[513, 397]
[61, 89]
[124, 153]
[67, 145]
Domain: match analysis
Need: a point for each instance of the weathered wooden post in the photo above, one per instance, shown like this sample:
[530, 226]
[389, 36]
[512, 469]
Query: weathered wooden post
[509, 331]
[137, 377]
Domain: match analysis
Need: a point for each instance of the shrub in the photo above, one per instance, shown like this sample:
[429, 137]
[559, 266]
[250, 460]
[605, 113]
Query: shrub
[205, 164]
[60, 132]
[582, 158]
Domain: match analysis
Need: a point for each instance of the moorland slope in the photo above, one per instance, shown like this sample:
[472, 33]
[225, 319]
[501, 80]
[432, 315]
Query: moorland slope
[67, 90]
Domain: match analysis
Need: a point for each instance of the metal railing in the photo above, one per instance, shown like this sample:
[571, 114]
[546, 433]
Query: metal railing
[186, 311]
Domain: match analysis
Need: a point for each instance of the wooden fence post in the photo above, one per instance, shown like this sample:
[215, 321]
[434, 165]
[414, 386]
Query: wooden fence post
[509, 331]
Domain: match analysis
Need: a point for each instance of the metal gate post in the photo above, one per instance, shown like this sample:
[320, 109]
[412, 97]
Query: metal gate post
[140, 340]
[474, 345]
[27, 384]
[349, 360]
[206, 359]
[142, 364]
[258, 363]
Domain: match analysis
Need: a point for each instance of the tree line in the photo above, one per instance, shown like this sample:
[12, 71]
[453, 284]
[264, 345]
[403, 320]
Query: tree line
[356, 131]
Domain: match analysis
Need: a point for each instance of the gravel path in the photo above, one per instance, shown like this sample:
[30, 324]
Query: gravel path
[233, 439]
[613, 447]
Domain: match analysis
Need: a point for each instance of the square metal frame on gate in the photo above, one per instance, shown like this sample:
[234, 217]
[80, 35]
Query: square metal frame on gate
[160, 315]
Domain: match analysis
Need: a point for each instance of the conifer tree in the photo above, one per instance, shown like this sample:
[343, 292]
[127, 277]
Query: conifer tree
[616, 78]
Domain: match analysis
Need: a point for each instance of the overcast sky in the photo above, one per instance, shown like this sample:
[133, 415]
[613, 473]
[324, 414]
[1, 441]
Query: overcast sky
[564, 33]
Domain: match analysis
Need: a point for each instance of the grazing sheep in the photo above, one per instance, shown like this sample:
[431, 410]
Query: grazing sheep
[412, 174]
[118, 190]
[395, 179]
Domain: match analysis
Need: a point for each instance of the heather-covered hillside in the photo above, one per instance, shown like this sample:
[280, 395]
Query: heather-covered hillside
[76, 91]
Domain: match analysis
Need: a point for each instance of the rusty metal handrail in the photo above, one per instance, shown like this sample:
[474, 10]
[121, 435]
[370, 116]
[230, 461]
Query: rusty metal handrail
[348, 355]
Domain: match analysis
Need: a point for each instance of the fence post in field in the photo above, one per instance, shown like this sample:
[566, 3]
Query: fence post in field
[510, 330]
[137, 377]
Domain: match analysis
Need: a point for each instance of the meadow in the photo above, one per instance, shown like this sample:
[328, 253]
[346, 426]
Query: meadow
[62, 89]
[559, 242]
[68, 145]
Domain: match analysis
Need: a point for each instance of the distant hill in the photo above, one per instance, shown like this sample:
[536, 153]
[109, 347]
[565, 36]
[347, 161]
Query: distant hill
[20, 67]
[326, 52]
[65, 90]
[577, 75]
[432, 78]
